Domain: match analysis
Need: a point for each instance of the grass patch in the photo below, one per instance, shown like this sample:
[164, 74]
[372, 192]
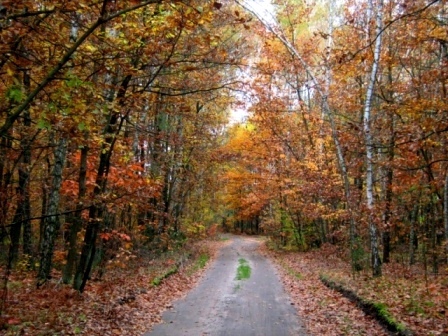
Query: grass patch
[243, 271]
[202, 260]
[292, 272]
[158, 280]
[386, 316]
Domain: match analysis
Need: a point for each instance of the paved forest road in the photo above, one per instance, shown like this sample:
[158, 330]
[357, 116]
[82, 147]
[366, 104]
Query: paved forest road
[221, 305]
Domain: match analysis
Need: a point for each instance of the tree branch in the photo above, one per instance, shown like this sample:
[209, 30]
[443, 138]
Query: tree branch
[16, 112]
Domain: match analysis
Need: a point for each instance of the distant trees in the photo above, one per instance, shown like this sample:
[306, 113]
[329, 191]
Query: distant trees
[360, 92]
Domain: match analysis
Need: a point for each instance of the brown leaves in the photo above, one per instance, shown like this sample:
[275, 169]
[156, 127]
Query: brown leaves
[323, 311]
[420, 306]
[217, 5]
[123, 303]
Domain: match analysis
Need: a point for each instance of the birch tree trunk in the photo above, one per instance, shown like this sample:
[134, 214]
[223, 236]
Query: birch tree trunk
[368, 138]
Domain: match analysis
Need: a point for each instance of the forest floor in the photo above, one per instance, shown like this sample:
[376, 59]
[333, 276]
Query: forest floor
[127, 300]
[131, 300]
[413, 300]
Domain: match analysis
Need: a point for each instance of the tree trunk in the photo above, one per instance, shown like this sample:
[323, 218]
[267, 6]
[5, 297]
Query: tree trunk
[77, 219]
[23, 209]
[413, 235]
[368, 138]
[96, 211]
[52, 223]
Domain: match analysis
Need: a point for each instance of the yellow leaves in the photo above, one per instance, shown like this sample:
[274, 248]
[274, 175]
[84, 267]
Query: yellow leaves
[439, 33]
[170, 35]
[10, 72]
[311, 165]
[196, 230]
[90, 48]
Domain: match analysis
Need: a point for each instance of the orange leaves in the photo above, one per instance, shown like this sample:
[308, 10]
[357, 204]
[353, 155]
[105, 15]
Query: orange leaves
[114, 234]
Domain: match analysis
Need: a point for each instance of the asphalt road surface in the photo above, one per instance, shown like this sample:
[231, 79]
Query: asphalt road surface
[222, 305]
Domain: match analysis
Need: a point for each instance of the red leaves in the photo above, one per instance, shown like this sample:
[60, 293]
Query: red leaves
[323, 311]
[115, 234]
[123, 303]
[13, 321]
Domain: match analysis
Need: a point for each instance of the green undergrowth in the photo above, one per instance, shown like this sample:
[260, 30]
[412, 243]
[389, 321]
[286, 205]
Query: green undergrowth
[200, 262]
[243, 271]
[376, 309]
[193, 263]
[158, 280]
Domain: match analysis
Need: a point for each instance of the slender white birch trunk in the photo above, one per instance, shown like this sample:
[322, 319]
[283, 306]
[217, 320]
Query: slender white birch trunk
[368, 138]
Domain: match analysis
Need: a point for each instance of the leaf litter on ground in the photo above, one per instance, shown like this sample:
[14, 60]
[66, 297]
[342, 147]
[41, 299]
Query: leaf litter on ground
[419, 302]
[123, 302]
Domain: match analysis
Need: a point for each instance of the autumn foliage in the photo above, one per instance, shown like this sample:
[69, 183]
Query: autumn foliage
[109, 114]
[115, 134]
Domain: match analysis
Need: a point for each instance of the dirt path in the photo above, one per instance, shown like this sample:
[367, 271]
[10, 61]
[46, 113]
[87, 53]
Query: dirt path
[222, 305]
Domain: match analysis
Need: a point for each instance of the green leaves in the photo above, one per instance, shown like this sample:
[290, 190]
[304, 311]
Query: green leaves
[15, 94]
[82, 126]
[43, 124]
[73, 81]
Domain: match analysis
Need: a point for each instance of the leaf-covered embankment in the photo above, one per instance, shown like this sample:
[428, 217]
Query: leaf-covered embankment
[126, 301]
[414, 304]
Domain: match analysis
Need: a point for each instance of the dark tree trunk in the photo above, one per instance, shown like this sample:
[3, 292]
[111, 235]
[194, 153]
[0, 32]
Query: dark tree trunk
[51, 222]
[96, 211]
[23, 212]
[76, 220]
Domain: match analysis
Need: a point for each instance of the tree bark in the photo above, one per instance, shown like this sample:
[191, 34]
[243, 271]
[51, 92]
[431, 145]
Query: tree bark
[77, 219]
[96, 210]
[52, 223]
[23, 209]
[368, 138]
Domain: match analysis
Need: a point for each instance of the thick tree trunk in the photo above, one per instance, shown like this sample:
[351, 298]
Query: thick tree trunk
[52, 223]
